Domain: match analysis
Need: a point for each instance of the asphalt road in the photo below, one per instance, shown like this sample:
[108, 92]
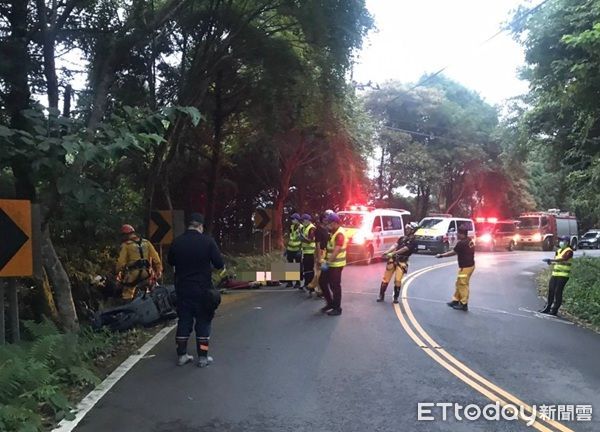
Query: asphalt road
[280, 365]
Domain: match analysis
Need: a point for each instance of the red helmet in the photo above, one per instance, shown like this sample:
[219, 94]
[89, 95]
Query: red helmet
[127, 229]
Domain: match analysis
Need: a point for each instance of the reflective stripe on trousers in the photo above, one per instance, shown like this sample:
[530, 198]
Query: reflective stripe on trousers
[461, 293]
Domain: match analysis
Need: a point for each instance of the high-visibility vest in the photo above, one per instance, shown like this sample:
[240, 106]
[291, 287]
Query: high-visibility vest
[562, 268]
[294, 241]
[308, 247]
[340, 259]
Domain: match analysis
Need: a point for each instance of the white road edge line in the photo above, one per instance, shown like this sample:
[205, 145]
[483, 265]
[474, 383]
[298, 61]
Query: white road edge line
[95, 395]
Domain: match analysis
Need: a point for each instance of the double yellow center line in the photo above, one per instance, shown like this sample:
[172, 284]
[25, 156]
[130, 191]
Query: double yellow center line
[459, 369]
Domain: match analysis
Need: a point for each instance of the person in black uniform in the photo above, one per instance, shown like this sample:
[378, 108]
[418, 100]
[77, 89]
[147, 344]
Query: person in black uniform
[193, 255]
[397, 261]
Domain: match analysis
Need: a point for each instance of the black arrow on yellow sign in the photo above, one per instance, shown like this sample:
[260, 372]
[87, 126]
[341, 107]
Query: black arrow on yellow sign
[162, 227]
[13, 239]
[261, 219]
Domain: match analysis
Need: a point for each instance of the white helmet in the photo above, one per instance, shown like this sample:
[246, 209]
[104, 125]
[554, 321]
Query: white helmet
[413, 226]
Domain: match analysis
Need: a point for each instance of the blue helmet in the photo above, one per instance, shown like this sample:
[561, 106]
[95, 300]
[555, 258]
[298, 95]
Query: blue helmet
[306, 217]
[295, 216]
[565, 238]
[333, 217]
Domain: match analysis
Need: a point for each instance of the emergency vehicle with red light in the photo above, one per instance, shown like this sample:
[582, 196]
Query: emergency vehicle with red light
[494, 234]
[371, 231]
[543, 229]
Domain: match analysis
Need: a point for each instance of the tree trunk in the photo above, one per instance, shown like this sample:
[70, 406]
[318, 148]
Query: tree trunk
[213, 175]
[381, 172]
[50, 70]
[277, 226]
[50, 309]
[67, 101]
[60, 281]
[426, 193]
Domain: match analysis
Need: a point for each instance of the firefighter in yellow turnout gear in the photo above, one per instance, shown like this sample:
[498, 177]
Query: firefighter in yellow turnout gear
[138, 262]
[561, 271]
[465, 251]
[397, 261]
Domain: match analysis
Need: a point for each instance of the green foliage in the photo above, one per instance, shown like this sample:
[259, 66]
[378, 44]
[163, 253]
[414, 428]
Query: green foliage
[37, 376]
[581, 297]
[562, 119]
[439, 141]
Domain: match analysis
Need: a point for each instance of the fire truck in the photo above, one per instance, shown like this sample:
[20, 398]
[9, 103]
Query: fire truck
[543, 229]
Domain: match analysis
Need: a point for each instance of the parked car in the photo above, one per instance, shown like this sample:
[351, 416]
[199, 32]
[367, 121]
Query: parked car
[590, 240]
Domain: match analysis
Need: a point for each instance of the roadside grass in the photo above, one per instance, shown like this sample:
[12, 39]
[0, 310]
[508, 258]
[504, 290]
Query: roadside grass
[581, 298]
[250, 263]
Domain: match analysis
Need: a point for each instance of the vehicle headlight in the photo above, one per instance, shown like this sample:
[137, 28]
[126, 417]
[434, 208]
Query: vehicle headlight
[517, 237]
[359, 239]
[486, 238]
[537, 237]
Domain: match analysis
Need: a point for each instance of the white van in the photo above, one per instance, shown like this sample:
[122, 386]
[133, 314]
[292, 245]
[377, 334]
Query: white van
[371, 231]
[437, 233]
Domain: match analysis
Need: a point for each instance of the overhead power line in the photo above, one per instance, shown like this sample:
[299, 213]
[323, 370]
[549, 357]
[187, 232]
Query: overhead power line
[489, 39]
[431, 136]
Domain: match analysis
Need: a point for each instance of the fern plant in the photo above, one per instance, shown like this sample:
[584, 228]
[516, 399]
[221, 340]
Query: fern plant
[35, 374]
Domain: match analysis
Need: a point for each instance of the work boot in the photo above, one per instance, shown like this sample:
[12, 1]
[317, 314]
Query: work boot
[452, 303]
[326, 308]
[396, 294]
[204, 361]
[553, 312]
[382, 289]
[461, 306]
[184, 359]
[310, 292]
[334, 312]
[545, 310]
[381, 298]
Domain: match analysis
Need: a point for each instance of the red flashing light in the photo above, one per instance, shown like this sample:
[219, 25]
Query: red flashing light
[360, 208]
[492, 220]
[480, 219]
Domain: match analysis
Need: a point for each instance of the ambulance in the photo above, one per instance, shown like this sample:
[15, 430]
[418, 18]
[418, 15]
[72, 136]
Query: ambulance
[371, 231]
